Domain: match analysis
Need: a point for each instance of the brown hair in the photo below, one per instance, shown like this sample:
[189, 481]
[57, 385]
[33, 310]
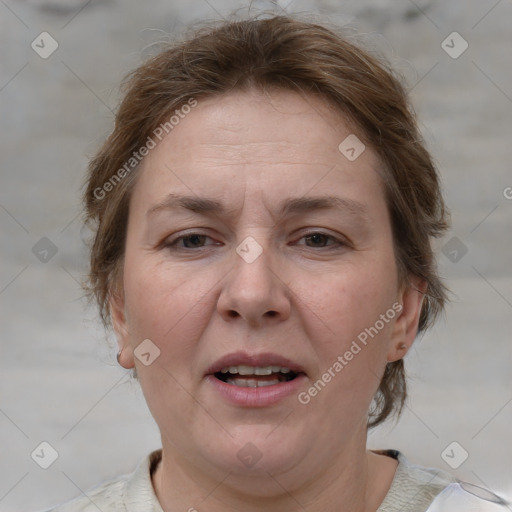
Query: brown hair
[287, 53]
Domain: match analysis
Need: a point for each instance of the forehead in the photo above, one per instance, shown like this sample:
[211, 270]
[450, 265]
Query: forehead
[252, 123]
[277, 144]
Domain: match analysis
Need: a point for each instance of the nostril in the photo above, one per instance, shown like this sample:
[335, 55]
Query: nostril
[233, 314]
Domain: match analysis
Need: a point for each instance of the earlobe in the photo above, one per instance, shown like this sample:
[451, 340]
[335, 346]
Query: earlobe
[125, 357]
[406, 325]
[117, 314]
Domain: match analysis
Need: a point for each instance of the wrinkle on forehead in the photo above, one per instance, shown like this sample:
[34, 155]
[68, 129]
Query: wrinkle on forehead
[226, 144]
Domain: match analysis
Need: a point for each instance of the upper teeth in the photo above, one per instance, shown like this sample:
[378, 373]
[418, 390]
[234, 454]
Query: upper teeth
[251, 370]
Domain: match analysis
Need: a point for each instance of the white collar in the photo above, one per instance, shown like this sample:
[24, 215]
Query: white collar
[464, 497]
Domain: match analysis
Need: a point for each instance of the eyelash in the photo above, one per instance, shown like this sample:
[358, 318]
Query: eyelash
[172, 245]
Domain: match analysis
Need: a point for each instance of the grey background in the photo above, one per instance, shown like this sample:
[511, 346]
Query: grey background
[59, 382]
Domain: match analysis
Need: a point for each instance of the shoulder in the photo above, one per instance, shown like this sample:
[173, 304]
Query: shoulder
[107, 497]
[424, 489]
[413, 487]
[133, 491]
[463, 497]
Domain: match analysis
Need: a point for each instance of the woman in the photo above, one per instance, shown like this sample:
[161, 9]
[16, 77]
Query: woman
[263, 212]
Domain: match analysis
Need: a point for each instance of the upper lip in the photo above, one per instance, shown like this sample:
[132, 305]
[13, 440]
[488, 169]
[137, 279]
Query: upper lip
[255, 360]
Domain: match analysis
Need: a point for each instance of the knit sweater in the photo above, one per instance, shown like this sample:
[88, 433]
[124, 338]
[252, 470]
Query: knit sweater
[413, 489]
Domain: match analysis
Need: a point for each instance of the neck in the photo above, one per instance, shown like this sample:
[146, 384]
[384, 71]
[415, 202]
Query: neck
[356, 481]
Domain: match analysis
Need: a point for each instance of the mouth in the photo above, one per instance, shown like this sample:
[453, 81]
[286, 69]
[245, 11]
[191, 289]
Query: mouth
[255, 376]
[255, 370]
[255, 380]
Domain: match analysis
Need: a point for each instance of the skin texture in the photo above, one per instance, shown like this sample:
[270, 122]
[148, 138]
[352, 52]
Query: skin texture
[305, 298]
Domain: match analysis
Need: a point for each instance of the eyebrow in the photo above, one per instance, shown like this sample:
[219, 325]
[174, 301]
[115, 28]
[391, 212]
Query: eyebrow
[206, 206]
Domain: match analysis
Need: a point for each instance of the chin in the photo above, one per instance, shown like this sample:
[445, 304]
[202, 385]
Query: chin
[258, 451]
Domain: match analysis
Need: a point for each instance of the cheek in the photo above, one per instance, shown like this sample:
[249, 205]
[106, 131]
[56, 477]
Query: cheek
[351, 301]
[350, 338]
[167, 305]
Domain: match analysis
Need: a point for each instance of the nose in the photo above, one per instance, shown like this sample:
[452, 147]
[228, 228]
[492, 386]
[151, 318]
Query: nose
[255, 291]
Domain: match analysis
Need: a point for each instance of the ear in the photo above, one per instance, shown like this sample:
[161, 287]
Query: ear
[406, 324]
[118, 316]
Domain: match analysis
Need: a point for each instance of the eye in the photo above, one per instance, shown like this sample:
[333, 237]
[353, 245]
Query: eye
[191, 241]
[315, 239]
[318, 239]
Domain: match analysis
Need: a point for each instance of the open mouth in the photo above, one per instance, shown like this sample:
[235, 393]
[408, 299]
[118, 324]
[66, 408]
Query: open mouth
[255, 376]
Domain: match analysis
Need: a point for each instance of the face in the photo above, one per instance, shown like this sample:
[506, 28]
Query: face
[260, 270]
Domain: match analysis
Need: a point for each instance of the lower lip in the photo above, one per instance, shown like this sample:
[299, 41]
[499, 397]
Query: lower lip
[256, 397]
